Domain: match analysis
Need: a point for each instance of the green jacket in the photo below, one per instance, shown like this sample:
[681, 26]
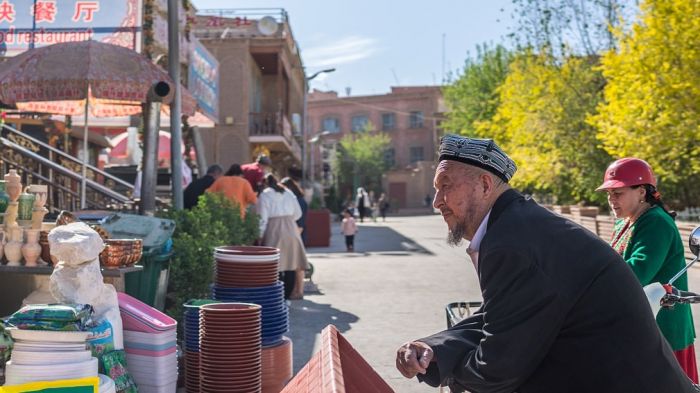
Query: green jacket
[654, 250]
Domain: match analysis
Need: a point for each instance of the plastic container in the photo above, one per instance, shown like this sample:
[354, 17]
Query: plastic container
[168, 337]
[140, 317]
[150, 284]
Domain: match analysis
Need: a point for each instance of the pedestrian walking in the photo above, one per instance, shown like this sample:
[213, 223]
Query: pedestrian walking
[235, 188]
[383, 205]
[255, 172]
[195, 189]
[362, 203]
[349, 229]
[279, 209]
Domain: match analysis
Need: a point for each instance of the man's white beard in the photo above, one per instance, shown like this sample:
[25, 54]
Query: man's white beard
[456, 235]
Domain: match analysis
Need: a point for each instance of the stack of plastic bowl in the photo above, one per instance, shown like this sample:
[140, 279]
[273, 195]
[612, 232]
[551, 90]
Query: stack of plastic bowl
[150, 343]
[230, 351]
[277, 368]
[42, 355]
[250, 275]
[246, 266]
[191, 343]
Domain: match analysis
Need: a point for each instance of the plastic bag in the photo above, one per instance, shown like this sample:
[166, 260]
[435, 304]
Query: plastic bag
[113, 364]
[54, 312]
[78, 279]
[101, 339]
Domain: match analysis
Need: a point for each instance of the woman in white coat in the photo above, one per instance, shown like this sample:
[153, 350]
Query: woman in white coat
[279, 209]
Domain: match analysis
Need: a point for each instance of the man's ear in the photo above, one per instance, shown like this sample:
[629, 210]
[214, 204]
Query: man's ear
[487, 183]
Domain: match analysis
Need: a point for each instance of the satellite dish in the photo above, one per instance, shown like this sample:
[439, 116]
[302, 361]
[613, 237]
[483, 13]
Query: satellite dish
[267, 26]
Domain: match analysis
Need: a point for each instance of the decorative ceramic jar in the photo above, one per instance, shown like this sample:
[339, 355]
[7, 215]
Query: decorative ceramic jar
[41, 194]
[26, 205]
[32, 249]
[13, 184]
[13, 248]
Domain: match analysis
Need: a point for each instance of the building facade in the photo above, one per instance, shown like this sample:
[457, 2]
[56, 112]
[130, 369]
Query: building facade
[261, 87]
[410, 116]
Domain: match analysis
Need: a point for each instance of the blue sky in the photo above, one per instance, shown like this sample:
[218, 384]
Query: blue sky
[372, 44]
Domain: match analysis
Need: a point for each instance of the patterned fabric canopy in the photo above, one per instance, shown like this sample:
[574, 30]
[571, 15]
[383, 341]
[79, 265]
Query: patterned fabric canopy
[55, 79]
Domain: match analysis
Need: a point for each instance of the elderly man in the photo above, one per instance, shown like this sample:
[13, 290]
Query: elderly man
[561, 313]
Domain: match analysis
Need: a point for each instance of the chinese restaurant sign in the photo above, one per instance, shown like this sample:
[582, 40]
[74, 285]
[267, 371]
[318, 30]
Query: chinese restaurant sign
[203, 80]
[24, 24]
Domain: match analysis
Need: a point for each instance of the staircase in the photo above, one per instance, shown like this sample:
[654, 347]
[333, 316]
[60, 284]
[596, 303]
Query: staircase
[40, 163]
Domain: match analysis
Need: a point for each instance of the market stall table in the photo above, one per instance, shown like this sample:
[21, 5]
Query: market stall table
[112, 276]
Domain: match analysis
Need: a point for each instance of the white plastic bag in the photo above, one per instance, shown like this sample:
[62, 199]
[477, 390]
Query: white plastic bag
[77, 277]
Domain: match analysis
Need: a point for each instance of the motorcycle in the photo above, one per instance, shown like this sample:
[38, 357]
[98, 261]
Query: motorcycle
[666, 295]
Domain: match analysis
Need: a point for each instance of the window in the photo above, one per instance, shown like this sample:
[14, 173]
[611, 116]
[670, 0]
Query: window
[389, 158]
[331, 124]
[359, 123]
[388, 121]
[416, 154]
[416, 119]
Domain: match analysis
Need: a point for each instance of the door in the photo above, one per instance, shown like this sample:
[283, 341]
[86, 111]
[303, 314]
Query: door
[397, 195]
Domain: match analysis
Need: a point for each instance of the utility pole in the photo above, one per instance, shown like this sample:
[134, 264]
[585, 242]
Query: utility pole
[305, 128]
[175, 105]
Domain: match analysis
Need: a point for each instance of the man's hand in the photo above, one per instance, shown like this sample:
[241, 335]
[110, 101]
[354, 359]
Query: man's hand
[413, 358]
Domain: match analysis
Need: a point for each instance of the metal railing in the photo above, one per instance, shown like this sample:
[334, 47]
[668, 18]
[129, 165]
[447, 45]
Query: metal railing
[273, 124]
[41, 163]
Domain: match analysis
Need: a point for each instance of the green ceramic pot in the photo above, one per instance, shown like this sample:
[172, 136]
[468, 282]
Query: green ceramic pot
[4, 199]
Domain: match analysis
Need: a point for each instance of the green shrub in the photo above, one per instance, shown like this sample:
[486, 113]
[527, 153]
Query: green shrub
[214, 222]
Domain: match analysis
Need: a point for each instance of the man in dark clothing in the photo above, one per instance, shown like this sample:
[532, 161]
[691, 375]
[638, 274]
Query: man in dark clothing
[561, 310]
[197, 187]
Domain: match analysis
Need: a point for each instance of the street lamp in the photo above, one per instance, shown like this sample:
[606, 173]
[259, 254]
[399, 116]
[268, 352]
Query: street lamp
[314, 141]
[305, 151]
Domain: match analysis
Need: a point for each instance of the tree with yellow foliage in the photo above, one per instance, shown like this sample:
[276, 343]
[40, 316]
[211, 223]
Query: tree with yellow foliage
[652, 98]
[541, 123]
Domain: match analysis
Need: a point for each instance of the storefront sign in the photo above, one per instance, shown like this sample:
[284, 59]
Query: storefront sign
[203, 80]
[33, 23]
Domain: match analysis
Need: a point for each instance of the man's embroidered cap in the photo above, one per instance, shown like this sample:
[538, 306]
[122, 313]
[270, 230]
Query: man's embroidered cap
[482, 153]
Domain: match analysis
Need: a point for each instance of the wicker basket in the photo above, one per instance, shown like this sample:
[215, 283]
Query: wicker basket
[121, 252]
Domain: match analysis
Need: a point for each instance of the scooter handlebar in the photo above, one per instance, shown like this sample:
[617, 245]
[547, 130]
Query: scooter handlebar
[676, 296]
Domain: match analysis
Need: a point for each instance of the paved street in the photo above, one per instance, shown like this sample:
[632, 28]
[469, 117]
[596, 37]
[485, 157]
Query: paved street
[393, 289]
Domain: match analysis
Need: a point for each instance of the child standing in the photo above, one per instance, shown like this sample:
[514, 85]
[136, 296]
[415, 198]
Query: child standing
[349, 229]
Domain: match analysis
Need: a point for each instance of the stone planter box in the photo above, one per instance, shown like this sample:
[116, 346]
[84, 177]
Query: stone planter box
[584, 211]
[318, 228]
[561, 209]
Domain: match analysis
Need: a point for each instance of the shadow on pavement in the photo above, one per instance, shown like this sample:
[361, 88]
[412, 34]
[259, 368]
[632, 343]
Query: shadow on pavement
[306, 320]
[370, 238]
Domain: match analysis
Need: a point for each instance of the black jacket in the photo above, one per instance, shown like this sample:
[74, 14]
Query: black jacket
[195, 189]
[562, 313]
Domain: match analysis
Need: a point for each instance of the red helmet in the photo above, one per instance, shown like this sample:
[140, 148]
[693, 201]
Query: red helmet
[627, 172]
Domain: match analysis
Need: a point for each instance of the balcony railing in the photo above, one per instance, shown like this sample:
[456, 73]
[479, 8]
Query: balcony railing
[273, 124]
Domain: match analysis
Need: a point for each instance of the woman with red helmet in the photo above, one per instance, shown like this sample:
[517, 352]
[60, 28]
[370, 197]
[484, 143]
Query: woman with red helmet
[647, 237]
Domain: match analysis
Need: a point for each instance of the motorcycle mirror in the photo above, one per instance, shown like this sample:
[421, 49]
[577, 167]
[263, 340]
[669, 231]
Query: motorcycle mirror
[694, 241]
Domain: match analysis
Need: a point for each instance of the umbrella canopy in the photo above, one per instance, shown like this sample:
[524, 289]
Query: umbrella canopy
[70, 78]
[60, 77]
[120, 149]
